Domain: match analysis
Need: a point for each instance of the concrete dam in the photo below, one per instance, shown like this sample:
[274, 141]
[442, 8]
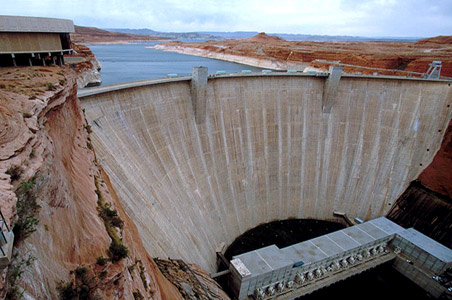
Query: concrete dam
[260, 148]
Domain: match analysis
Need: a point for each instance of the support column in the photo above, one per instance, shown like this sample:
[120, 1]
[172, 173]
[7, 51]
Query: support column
[199, 93]
[330, 88]
[14, 59]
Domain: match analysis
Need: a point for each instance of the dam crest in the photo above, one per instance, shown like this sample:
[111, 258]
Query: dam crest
[265, 150]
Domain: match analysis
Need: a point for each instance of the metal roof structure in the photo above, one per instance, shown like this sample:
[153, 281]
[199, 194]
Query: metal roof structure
[427, 244]
[35, 24]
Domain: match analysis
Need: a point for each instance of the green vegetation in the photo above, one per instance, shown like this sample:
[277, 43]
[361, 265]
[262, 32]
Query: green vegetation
[117, 249]
[83, 286]
[14, 172]
[49, 86]
[27, 210]
[15, 270]
[102, 261]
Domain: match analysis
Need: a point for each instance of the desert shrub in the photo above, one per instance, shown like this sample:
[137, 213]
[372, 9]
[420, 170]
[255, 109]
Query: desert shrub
[27, 210]
[14, 172]
[66, 290]
[101, 261]
[117, 250]
[49, 86]
[82, 286]
[15, 271]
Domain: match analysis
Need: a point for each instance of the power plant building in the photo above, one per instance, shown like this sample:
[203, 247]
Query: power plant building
[34, 41]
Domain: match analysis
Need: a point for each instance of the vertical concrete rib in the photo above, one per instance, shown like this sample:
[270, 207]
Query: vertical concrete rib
[199, 93]
[250, 174]
[330, 89]
[280, 157]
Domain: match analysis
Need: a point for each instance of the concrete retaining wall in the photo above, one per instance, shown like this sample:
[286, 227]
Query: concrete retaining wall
[265, 151]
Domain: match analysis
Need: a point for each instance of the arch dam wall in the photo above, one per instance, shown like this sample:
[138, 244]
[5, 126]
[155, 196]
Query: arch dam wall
[266, 151]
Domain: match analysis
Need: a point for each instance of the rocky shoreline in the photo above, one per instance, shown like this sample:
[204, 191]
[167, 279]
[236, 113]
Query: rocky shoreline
[269, 52]
[263, 63]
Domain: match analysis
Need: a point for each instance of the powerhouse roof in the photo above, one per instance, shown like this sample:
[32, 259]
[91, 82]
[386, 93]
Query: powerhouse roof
[35, 24]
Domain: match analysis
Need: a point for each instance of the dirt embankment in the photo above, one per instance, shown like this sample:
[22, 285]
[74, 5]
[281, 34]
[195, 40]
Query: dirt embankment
[93, 35]
[70, 230]
[265, 51]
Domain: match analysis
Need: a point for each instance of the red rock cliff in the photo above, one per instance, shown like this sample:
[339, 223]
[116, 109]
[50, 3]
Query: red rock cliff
[50, 182]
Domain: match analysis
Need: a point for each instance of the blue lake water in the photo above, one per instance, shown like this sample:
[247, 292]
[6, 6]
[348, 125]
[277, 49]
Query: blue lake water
[131, 62]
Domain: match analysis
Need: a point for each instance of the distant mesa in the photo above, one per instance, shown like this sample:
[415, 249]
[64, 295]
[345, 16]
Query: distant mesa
[95, 35]
[262, 37]
[442, 39]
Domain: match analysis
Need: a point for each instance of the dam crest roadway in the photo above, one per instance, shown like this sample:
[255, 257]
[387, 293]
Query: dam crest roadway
[198, 164]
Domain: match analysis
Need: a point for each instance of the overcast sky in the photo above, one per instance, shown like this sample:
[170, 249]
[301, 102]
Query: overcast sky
[403, 18]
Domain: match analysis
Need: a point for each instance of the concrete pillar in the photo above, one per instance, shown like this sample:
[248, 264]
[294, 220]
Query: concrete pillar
[14, 60]
[330, 88]
[199, 93]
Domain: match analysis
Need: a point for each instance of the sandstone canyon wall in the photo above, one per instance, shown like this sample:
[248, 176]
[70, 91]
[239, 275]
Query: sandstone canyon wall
[51, 184]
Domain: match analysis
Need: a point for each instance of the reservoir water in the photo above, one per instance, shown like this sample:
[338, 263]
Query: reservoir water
[131, 62]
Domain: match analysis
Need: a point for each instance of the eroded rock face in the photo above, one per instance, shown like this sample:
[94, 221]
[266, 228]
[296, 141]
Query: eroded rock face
[438, 176]
[45, 147]
[86, 66]
[192, 281]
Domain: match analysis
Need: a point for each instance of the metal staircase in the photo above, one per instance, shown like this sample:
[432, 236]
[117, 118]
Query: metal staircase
[6, 242]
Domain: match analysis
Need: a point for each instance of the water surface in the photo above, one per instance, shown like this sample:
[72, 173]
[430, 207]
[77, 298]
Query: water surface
[131, 62]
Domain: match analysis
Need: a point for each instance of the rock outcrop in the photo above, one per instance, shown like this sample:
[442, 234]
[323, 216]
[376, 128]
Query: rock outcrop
[72, 236]
[438, 176]
[86, 66]
[192, 281]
